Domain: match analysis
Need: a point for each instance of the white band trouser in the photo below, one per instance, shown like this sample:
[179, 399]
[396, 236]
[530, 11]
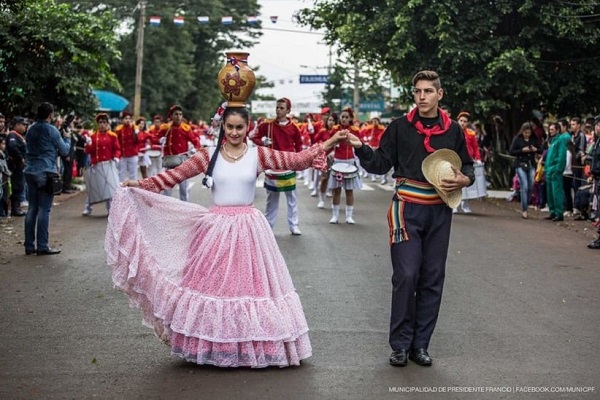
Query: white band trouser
[273, 207]
[128, 167]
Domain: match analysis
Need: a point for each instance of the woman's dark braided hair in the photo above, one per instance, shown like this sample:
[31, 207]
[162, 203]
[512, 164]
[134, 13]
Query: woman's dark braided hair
[241, 111]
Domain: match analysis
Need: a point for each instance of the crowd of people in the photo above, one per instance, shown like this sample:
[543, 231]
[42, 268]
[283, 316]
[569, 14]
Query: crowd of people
[557, 169]
[553, 161]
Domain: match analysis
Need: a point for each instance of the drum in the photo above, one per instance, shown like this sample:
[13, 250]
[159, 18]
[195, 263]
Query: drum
[479, 187]
[153, 153]
[101, 181]
[280, 181]
[174, 161]
[342, 170]
[143, 159]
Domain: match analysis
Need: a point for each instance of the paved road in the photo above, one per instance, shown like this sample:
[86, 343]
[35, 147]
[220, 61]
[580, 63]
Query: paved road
[520, 312]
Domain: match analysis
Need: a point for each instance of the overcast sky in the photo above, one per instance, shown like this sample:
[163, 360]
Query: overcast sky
[280, 53]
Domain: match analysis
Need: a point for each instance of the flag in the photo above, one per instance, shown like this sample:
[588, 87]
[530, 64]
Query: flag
[274, 19]
[155, 21]
[252, 19]
[178, 21]
[203, 19]
[227, 20]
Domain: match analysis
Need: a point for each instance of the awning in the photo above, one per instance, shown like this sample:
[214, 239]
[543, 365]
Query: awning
[110, 101]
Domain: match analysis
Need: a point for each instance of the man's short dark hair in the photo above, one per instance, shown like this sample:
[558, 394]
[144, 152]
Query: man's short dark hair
[431, 76]
[44, 110]
[563, 122]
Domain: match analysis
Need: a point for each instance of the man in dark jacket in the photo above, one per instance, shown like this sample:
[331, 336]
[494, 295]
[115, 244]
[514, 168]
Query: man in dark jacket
[15, 148]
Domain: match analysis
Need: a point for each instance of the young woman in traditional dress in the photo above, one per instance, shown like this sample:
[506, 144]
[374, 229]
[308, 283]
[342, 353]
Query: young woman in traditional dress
[212, 281]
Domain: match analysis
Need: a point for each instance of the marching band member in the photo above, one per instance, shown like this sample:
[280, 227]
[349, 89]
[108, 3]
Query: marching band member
[102, 145]
[473, 149]
[144, 144]
[128, 141]
[344, 155]
[155, 166]
[325, 133]
[372, 136]
[321, 121]
[281, 134]
[174, 136]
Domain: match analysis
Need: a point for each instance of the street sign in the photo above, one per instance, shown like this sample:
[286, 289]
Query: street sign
[367, 105]
[314, 78]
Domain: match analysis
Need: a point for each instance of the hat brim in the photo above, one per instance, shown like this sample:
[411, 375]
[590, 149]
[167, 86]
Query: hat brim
[431, 168]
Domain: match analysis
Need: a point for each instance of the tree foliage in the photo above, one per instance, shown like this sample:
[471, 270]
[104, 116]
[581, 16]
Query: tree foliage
[181, 63]
[503, 57]
[51, 53]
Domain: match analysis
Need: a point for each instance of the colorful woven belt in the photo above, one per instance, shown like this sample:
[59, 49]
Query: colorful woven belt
[408, 191]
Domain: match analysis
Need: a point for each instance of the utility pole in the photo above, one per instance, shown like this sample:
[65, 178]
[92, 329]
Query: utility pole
[329, 73]
[137, 100]
[356, 97]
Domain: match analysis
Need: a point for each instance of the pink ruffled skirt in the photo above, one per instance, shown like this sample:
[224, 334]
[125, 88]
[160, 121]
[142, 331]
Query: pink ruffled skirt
[212, 283]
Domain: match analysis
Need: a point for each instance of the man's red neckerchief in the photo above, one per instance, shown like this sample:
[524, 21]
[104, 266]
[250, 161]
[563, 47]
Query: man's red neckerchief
[428, 132]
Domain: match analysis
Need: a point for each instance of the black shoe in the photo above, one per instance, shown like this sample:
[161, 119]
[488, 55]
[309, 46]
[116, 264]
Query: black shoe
[18, 213]
[550, 217]
[69, 191]
[581, 218]
[420, 356]
[47, 252]
[594, 245]
[399, 358]
[29, 252]
[557, 219]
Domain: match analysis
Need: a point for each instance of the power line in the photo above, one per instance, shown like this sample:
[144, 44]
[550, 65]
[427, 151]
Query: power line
[293, 31]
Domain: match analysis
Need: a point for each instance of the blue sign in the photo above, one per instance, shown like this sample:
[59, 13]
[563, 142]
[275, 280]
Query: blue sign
[367, 105]
[314, 78]
[371, 105]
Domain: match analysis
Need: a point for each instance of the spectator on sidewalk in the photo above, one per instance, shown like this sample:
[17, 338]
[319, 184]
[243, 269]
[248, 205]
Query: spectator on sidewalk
[15, 149]
[524, 147]
[44, 144]
[4, 178]
[556, 161]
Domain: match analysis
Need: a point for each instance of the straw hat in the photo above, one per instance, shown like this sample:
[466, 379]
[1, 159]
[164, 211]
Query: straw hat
[437, 166]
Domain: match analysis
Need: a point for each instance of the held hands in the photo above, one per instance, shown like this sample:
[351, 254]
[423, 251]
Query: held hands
[354, 140]
[333, 140]
[130, 183]
[343, 135]
[459, 181]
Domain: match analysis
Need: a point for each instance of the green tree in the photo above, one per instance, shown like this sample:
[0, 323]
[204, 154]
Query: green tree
[503, 57]
[51, 53]
[181, 63]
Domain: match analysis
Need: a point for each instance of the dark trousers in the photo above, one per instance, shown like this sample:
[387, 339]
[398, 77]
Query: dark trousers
[17, 183]
[67, 172]
[419, 268]
[4, 198]
[568, 187]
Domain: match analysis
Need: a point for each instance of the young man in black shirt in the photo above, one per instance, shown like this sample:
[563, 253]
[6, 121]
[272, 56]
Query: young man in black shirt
[419, 220]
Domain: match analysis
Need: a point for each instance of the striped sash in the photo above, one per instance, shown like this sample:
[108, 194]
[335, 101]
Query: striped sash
[408, 191]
